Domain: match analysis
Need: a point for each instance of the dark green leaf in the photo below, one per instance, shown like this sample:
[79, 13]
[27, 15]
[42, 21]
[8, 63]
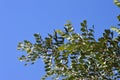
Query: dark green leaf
[118, 17]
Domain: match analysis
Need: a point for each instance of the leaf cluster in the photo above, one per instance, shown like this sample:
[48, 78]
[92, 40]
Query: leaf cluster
[68, 55]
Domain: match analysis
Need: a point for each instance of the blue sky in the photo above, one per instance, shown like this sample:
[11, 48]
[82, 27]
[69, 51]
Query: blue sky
[20, 19]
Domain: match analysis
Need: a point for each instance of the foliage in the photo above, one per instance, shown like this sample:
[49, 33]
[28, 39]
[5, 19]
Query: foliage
[68, 55]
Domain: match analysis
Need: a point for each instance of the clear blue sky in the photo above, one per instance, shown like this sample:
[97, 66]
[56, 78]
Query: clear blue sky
[20, 19]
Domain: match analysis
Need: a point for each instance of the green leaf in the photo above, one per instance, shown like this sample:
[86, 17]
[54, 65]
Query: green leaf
[20, 45]
[83, 29]
[47, 66]
[115, 29]
[28, 50]
[22, 58]
[60, 32]
[82, 24]
[61, 48]
[107, 31]
[47, 62]
[85, 22]
[36, 35]
[118, 17]
[84, 34]
[117, 2]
